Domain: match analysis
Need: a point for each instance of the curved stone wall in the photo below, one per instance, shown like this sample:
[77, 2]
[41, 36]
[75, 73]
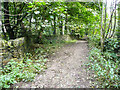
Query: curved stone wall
[11, 49]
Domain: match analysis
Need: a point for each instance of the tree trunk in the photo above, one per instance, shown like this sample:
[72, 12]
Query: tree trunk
[63, 27]
[0, 20]
[66, 27]
[60, 25]
[105, 19]
[7, 22]
[102, 45]
[30, 22]
[118, 33]
[54, 33]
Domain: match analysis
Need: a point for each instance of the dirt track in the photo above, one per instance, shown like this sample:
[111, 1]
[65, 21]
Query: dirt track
[65, 69]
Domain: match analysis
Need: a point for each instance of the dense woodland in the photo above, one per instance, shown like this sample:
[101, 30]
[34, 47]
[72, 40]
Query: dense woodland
[41, 22]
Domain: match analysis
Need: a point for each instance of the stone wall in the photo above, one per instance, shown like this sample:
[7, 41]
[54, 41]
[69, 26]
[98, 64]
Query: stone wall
[11, 49]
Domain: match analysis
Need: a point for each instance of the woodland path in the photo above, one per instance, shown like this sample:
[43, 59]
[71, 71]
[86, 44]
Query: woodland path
[66, 69]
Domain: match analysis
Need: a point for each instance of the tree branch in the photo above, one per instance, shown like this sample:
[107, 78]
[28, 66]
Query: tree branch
[114, 21]
[105, 19]
[19, 21]
[110, 22]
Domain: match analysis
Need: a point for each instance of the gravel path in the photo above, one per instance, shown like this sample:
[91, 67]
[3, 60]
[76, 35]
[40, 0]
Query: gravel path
[65, 69]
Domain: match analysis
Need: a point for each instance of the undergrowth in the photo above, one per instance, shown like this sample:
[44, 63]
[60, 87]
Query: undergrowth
[25, 70]
[106, 70]
[33, 62]
[106, 65]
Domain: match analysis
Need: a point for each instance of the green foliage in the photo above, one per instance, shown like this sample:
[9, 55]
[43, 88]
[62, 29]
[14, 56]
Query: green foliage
[106, 70]
[111, 45]
[94, 40]
[77, 14]
[24, 70]
[43, 13]
[32, 63]
[71, 41]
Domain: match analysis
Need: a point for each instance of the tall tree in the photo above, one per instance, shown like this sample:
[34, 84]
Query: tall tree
[7, 22]
[118, 33]
[54, 32]
[102, 38]
[0, 20]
